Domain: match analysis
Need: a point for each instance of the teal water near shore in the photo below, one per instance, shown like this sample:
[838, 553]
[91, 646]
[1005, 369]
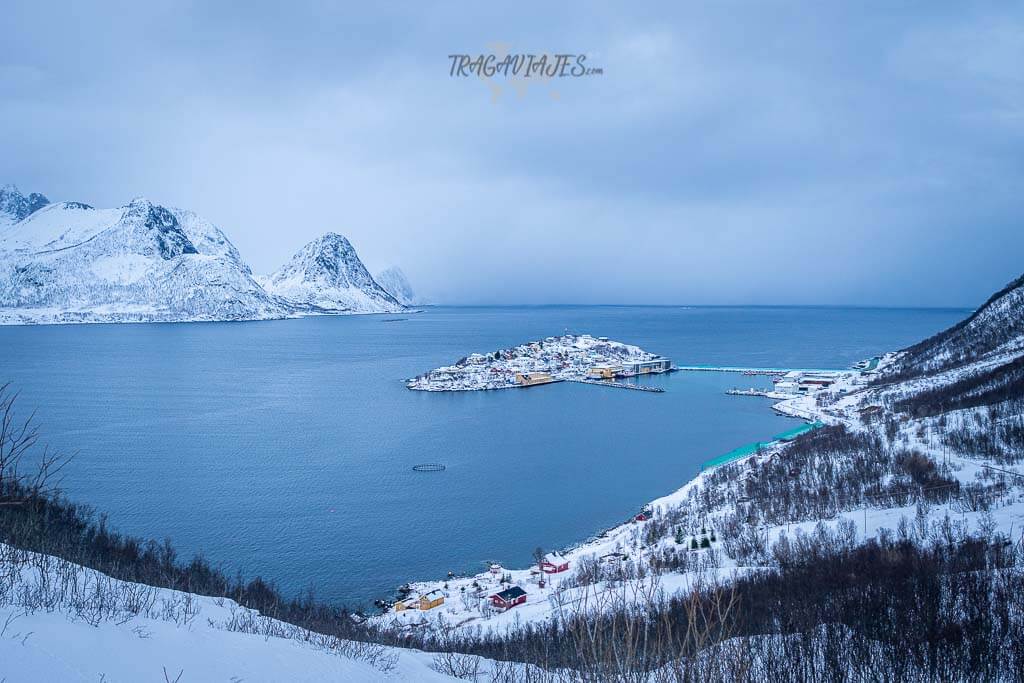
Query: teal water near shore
[285, 448]
[751, 448]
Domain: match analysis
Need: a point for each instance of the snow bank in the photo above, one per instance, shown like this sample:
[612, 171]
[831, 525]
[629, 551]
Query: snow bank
[62, 622]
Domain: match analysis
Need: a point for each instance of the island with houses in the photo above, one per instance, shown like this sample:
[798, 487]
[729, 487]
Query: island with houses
[570, 357]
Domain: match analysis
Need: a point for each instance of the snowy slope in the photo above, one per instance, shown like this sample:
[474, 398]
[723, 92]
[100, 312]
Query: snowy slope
[327, 276]
[62, 622]
[998, 322]
[69, 262]
[394, 282]
[14, 206]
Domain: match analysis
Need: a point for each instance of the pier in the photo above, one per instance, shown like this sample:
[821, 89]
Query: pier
[749, 392]
[619, 385]
[755, 371]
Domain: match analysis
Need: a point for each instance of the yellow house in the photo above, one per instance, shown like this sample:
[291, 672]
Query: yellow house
[603, 372]
[434, 598]
[526, 379]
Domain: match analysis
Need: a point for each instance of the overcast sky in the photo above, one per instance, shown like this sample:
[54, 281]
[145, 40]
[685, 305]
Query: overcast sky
[730, 153]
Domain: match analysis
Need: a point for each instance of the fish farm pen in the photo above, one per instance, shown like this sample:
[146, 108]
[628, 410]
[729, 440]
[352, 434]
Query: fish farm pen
[429, 467]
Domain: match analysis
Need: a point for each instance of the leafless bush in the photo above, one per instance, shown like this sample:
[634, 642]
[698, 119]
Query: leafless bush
[244, 620]
[457, 665]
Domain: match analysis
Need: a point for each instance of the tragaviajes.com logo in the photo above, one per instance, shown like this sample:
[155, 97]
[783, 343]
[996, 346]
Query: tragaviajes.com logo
[519, 69]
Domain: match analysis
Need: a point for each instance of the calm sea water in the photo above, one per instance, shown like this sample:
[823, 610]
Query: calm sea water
[285, 448]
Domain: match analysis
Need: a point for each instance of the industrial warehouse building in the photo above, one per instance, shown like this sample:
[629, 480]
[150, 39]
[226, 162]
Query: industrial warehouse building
[645, 367]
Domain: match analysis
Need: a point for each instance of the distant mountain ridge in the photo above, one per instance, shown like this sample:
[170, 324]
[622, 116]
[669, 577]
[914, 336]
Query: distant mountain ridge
[143, 262]
[395, 283]
[14, 206]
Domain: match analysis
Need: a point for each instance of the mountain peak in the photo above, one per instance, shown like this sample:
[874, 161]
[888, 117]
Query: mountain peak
[170, 239]
[14, 206]
[327, 274]
[331, 241]
[139, 203]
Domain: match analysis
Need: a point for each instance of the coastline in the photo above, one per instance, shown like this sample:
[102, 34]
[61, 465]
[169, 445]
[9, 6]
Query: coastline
[9, 319]
[465, 595]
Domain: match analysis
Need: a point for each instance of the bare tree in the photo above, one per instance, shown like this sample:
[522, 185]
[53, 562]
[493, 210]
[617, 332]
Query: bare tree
[538, 557]
[21, 480]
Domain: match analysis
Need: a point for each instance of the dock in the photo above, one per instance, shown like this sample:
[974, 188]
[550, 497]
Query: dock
[748, 392]
[619, 385]
[755, 371]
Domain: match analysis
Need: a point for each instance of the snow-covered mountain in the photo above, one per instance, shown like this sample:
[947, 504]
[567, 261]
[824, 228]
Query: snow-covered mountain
[70, 262]
[327, 276]
[395, 283]
[998, 323]
[14, 206]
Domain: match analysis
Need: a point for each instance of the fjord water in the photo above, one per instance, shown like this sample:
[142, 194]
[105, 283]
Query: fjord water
[285, 448]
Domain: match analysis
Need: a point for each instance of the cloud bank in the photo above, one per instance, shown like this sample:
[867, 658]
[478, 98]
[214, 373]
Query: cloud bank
[728, 153]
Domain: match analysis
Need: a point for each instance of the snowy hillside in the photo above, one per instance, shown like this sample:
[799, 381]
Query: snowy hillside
[14, 206]
[1000, 321]
[62, 622]
[327, 276]
[394, 282]
[70, 262]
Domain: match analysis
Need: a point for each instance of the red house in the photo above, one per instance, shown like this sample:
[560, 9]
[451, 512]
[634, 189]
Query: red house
[554, 563]
[508, 598]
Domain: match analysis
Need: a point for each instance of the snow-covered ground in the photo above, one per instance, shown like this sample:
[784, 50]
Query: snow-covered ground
[569, 357]
[61, 622]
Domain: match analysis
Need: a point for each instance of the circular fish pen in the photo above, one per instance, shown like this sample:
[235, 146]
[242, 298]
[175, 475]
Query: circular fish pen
[429, 467]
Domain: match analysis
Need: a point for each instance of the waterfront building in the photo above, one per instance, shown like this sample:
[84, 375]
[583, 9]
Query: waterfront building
[604, 371]
[645, 367]
[530, 378]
